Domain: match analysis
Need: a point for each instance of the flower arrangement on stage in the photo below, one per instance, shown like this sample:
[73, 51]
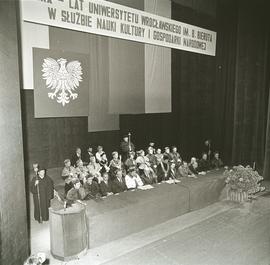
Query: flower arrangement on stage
[242, 182]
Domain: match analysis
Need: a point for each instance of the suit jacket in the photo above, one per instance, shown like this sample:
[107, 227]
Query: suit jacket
[193, 170]
[204, 165]
[118, 186]
[105, 188]
[74, 159]
[92, 190]
[216, 163]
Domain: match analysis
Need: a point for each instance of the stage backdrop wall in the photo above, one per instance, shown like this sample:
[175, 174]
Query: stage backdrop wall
[224, 98]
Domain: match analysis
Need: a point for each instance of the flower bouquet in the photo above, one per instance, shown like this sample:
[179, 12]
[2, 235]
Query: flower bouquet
[242, 182]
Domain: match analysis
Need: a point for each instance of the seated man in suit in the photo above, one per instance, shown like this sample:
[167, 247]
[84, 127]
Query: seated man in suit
[146, 173]
[175, 156]
[204, 164]
[118, 184]
[105, 185]
[88, 155]
[193, 166]
[152, 145]
[152, 158]
[167, 152]
[132, 179]
[163, 169]
[159, 154]
[185, 172]
[77, 193]
[91, 188]
[131, 161]
[216, 162]
[104, 164]
[68, 174]
[173, 173]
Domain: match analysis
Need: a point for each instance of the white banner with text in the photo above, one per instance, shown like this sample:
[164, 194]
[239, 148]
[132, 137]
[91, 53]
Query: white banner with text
[118, 21]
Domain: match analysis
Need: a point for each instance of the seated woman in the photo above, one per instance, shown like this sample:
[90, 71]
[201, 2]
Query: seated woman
[82, 171]
[77, 193]
[68, 174]
[163, 169]
[146, 173]
[185, 172]
[94, 167]
[132, 179]
[204, 164]
[105, 185]
[216, 162]
[91, 188]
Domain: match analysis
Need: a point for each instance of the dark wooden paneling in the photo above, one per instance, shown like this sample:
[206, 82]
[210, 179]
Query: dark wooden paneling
[50, 141]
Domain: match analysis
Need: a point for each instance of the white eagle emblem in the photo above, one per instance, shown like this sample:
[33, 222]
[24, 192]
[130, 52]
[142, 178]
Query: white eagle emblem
[62, 79]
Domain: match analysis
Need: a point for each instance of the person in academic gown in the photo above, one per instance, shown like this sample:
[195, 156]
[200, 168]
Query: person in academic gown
[173, 173]
[163, 169]
[126, 147]
[42, 188]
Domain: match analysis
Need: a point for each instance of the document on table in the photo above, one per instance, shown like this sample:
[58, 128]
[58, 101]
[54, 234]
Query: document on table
[145, 187]
[172, 181]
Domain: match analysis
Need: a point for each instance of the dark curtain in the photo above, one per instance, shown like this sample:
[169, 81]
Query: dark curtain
[251, 85]
[223, 106]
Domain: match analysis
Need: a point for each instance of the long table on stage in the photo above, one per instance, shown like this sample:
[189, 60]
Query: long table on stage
[117, 216]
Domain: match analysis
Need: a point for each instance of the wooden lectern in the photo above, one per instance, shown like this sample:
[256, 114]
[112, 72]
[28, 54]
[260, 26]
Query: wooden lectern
[68, 232]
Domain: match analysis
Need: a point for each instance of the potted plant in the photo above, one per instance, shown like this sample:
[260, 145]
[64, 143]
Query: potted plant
[242, 182]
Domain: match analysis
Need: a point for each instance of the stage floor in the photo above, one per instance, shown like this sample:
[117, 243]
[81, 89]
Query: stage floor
[164, 231]
[239, 236]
